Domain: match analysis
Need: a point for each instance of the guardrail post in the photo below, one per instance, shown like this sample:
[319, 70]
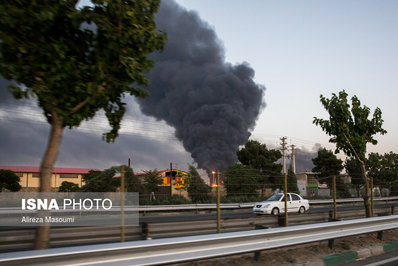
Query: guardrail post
[330, 243]
[257, 253]
[281, 220]
[145, 231]
[392, 210]
[380, 235]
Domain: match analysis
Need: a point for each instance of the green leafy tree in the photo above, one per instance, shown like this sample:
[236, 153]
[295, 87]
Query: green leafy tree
[101, 181]
[152, 180]
[384, 170]
[292, 181]
[353, 169]
[259, 157]
[241, 181]
[132, 182]
[198, 190]
[76, 61]
[9, 180]
[68, 187]
[328, 165]
[351, 129]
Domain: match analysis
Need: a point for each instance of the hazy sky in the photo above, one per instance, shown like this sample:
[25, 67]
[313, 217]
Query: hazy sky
[297, 50]
[301, 49]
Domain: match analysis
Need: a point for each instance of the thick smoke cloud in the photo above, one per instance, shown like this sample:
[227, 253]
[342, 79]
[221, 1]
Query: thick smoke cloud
[304, 158]
[212, 105]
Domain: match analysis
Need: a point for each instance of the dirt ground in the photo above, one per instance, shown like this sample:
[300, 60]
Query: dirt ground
[298, 254]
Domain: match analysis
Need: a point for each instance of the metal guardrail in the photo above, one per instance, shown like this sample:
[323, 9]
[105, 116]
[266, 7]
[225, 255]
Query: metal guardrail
[148, 208]
[156, 227]
[183, 249]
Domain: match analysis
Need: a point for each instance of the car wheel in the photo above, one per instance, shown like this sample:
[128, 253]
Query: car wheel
[275, 211]
[302, 209]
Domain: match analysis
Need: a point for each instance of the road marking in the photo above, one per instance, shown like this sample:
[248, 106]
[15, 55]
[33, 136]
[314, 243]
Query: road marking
[382, 262]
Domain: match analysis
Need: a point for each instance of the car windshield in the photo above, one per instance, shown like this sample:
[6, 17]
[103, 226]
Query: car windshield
[275, 197]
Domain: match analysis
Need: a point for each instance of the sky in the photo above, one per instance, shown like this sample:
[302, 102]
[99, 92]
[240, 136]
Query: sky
[296, 50]
[301, 49]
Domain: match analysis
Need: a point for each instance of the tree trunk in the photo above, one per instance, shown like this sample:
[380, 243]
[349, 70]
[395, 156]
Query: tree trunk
[42, 238]
[366, 196]
[366, 201]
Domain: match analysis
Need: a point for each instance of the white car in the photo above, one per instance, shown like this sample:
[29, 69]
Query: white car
[276, 204]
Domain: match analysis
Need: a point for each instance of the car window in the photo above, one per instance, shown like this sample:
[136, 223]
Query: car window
[275, 197]
[295, 197]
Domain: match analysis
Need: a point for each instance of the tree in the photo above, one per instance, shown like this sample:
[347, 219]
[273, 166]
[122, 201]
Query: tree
[292, 181]
[76, 62]
[353, 169]
[68, 187]
[101, 181]
[241, 181]
[328, 165]
[132, 182]
[9, 180]
[152, 180]
[384, 170]
[198, 190]
[259, 157]
[351, 130]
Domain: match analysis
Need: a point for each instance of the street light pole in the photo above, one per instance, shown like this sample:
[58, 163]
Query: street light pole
[212, 179]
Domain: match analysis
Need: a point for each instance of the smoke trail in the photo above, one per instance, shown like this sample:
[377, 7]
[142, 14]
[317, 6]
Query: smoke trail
[212, 104]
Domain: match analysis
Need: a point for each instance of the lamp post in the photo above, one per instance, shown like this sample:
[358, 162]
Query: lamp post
[212, 180]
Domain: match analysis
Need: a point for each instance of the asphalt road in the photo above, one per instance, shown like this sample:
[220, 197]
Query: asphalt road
[246, 214]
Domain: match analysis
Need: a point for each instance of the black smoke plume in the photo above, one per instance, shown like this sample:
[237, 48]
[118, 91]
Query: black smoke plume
[212, 104]
[304, 158]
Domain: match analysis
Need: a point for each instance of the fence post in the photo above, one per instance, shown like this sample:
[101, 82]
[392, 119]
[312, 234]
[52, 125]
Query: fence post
[334, 199]
[122, 205]
[218, 203]
[286, 216]
[371, 197]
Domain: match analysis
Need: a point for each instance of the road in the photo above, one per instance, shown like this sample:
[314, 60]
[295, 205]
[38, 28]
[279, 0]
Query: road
[153, 218]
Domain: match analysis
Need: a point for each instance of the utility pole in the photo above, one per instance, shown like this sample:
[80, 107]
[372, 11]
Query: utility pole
[284, 153]
[293, 158]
